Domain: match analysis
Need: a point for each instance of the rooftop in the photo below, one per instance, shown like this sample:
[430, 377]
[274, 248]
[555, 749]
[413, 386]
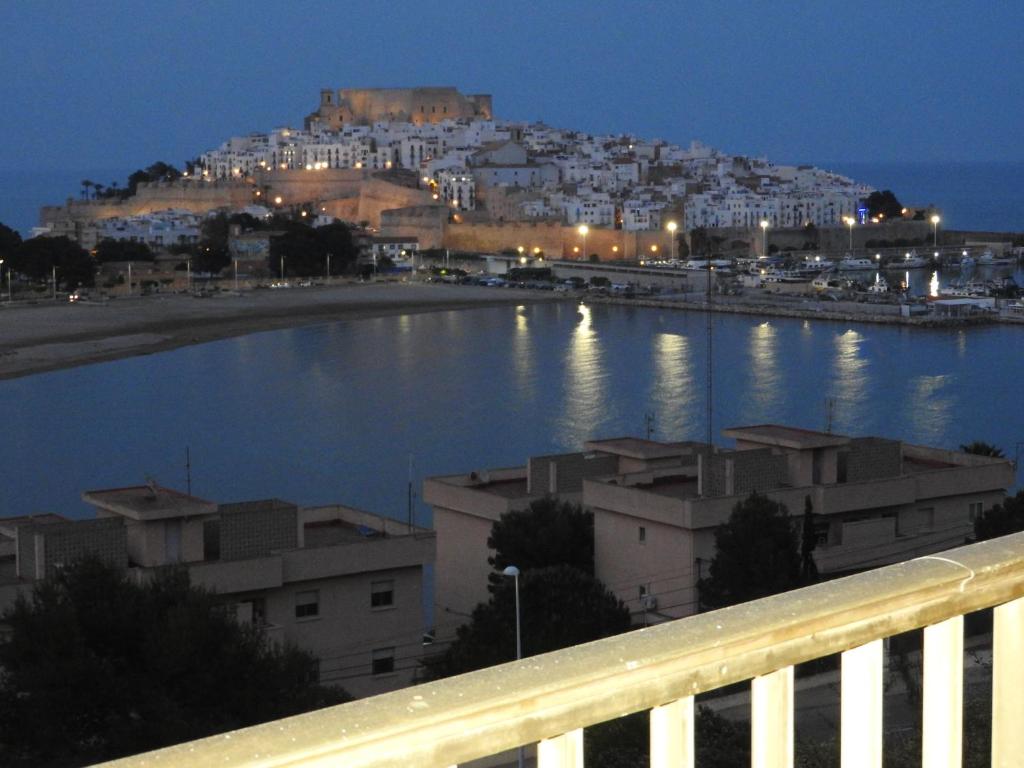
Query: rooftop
[786, 437]
[148, 502]
[638, 448]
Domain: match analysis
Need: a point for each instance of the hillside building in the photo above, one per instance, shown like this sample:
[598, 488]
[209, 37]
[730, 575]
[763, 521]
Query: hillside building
[656, 506]
[340, 583]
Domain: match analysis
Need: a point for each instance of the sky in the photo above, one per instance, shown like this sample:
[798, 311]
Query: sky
[108, 84]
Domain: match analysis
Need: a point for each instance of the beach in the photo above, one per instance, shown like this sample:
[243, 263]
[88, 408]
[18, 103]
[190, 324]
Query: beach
[45, 336]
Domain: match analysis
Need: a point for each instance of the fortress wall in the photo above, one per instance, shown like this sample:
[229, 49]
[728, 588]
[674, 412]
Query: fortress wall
[419, 105]
[427, 223]
[302, 186]
[377, 195]
[159, 196]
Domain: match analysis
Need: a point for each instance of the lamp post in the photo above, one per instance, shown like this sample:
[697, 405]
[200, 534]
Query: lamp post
[514, 573]
[850, 221]
[282, 267]
[764, 237]
[583, 230]
[935, 230]
[672, 227]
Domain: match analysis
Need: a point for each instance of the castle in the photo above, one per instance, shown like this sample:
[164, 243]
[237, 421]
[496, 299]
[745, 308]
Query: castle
[415, 105]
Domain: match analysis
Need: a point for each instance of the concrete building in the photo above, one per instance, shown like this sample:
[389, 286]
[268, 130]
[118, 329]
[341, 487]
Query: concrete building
[656, 506]
[343, 584]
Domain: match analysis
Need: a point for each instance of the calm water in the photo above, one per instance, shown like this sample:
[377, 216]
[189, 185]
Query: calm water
[332, 413]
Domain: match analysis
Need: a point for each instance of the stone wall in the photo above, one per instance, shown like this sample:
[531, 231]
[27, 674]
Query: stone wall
[255, 528]
[757, 470]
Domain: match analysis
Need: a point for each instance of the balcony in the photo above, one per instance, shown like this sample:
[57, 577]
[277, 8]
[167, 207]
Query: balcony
[549, 699]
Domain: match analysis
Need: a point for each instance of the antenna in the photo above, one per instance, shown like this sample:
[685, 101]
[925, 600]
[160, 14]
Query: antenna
[410, 494]
[188, 471]
[711, 360]
[830, 406]
[153, 487]
[649, 423]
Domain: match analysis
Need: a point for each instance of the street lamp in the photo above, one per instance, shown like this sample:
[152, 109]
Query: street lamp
[764, 237]
[282, 266]
[672, 227]
[583, 231]
[514, 573]
[850, 221]
[935, 230]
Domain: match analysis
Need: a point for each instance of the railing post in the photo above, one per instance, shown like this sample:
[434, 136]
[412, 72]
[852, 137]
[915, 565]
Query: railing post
[672, 728]
[771, 720]
[1007, 688]
[565, 751]
[861, 707]
[942, 726]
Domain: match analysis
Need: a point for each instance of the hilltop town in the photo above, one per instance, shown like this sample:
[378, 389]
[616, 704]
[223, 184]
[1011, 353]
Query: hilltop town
[438, 166]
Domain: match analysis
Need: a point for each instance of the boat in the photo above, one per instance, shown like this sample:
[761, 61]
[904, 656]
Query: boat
[990, 259]
[829, 282]
[850, 264]
[971, 289]
[909, 261]
[816, 264]
[879, 286]
[784, 276]
[967, 261]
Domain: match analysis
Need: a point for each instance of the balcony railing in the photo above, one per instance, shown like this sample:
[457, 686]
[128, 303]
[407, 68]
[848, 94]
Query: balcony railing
[549, 699]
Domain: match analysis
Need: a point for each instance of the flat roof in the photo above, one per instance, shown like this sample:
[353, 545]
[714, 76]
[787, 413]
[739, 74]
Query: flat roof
[148, 502]
[638, 448]
[785, 437]
[8, 525]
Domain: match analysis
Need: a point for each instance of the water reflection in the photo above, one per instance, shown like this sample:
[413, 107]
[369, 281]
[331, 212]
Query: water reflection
[766, 392]
[673, 391]
[929, 406]
[849, 381]
[584, 384]
[933, 285]
[523, 355]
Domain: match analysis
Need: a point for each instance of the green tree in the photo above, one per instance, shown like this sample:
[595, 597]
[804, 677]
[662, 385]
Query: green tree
[981, 448]
[808, 543]
[756, 555]
[9, 241]
[560, 606]
[109, 249]
[549, 533]
[884, 203]
[36, 257]
[305, 249]
[1001, 519]
[98, 666]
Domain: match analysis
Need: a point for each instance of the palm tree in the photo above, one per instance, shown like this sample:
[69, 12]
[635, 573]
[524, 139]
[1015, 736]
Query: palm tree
[980, 448]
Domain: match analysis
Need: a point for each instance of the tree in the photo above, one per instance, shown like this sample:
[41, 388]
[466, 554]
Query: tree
[884, 204]
[9, 241]
[36, 257]
[305, 249]
[981, 448]
[549, 533]
[560, 606]
[808, 543]
[756, 555]
[1001, 519]
[109, 249]
[97, 666]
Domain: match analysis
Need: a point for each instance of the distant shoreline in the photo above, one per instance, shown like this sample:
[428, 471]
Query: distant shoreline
[37, 338]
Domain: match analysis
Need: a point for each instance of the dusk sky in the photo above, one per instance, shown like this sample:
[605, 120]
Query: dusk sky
[121, 84]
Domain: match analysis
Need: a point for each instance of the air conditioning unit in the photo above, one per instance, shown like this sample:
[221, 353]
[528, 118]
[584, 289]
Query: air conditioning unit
[649, 602]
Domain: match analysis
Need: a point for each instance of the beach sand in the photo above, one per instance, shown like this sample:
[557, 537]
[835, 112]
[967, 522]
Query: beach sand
[48, 336]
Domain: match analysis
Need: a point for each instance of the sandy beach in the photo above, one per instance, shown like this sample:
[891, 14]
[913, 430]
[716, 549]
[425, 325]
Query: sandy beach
[48, 336]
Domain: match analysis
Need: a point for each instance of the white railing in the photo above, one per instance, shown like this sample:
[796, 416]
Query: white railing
[549, 699]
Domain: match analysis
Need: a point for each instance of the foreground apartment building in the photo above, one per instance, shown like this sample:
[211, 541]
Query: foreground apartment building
[343, 584]
[656, 506]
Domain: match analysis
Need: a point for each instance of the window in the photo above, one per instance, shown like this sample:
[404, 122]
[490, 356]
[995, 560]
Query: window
[974, 510]
[307, 604]
[382, 594]
[383, 661]
[642, 535]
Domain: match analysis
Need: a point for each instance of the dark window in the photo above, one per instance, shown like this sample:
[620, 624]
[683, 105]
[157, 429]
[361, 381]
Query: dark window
[383, 661]
[642, 535]
[841, 461]
[307, 604]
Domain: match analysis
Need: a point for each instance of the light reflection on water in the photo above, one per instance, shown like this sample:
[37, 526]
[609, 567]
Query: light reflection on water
[672, 392]
[331, 413]
[584, 384]
[849, 380]
[766, 382]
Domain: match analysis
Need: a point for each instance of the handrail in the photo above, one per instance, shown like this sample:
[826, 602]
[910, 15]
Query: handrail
[542, 697]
